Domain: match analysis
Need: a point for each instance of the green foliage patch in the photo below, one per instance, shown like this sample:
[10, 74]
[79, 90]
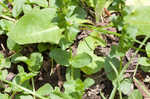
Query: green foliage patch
[54, 26]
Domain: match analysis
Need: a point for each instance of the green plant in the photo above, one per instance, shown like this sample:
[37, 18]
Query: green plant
[53, 25]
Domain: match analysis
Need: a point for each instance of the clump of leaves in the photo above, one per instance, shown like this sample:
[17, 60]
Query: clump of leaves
[54, 25]
[34, 63]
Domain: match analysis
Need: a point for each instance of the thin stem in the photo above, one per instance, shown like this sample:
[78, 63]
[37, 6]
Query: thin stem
[72, 73]
[88, 45]
[127, 65]
[137, 65]
[102, 95]
[118, 79]
[113, 92]
[144, 89]
[141, 50]
[26, 90]
[33, 87]
[8, 18]
[120, 94]
[13, 95]
[114, 68]
[52, 66]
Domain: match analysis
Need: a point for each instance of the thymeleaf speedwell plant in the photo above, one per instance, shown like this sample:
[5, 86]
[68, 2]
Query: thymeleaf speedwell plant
[35, 31]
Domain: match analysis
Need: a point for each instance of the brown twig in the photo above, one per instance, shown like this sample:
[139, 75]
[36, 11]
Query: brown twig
[60, 81]
[107, 12]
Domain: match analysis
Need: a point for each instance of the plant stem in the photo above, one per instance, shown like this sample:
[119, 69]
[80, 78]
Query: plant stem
[144, 89]
[135, 70]
[26, 90]
[33, 87]
[127, 65]
[52, 66]
[113, 92]
[88, 45]
[120, 93]
[13, 95]
[102, 95]
[8, 18]
[118, 79]
[72, 73]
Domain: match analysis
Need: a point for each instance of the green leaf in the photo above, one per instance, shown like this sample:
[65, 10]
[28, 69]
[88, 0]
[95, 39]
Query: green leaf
[35, 62]
[88, 82]
[22, 76]
[12, 45]
[45, 90]
[4, 96]
[126, 86]
[91, 3]
[4, 62]
[111, 74]
[36, 27]
[72, 86]
[60, 56]
[59, 95]
[17, 9]
[75, 16]
[42, 3]
[56, 96]
[72, 32]
[145, 64]
[52, 3]
[88, 45]
[64, 43]
[27, 8]
[6, 25]
[99, 8]
[3, 74]
[75, 73]
[135, 95]
[25, 76]
[16, 80]
[144, 61]
[137, 17]
[148, 49]
[96, 39]
[43, 47]
[91, 42]
[116, 51]
[8, 89]
[95, 66]
[2, 27]
[24, 97]
[20, 58]
[81, 60]
[131, 31]
[14, 56]
[20, 69]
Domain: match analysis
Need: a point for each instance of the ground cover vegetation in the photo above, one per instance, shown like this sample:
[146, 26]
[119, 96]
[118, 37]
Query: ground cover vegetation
[74, 49]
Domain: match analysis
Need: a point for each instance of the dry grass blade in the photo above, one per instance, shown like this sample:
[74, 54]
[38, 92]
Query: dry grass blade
[142, 88]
